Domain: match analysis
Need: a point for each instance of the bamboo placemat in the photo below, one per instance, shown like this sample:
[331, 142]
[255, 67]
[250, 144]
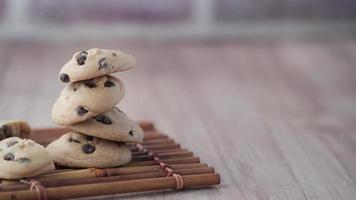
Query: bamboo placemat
[159, 163]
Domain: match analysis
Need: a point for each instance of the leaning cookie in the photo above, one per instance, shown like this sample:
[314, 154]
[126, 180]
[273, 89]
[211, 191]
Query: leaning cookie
[22, 158]
[94, 63]
[113, 125]
[85, 99]
[15, 128]
[80, 151]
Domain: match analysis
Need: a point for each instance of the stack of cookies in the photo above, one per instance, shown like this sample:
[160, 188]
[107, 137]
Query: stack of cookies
[99, 130]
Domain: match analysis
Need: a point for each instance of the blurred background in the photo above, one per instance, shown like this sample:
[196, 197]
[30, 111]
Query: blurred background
[180, 43]
[186, 44]
[266, 87]
[79, 19]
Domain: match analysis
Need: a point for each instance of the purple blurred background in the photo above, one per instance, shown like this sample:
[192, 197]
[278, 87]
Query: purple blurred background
[80, 19]
[262, 90]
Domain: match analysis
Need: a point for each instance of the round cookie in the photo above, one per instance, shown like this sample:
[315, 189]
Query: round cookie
[113, 125]
[20, 158]
[85, 99]
[15, 128]
[80, 151]
[94, 63]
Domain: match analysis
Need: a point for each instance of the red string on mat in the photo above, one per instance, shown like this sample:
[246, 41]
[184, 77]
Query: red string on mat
[40, 189]
[164, 166]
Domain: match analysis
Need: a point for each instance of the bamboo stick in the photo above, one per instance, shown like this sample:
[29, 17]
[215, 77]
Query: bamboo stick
[168, 161]
[158, 141]
[125, 177]
[91, 172]
[158, 147]
[170, 158]
[147, 125]
[205, 170]
[163, 156]
[154, 136]
[116, 187]
[158, 152]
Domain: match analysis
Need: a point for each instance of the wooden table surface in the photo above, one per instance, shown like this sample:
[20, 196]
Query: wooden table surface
[276, 119]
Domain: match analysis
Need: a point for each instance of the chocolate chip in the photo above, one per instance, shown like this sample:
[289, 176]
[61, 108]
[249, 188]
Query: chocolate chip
[89, 138]
[131, 132]
[102, 64]
[90, 83]
[73, 140]
[109, 83]
[12, 143]
[81, 110]
[114, 54]
[64, 78]
[82, 57]
[103, 119]
[24, 159]
[9, 157]
[88, 148]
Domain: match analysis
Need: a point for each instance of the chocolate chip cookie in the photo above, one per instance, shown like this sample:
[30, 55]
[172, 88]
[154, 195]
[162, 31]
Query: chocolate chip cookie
[113, 125]
[20, 158]
[15, 128]
[81, 151]
[86, 99]
[94, 63]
